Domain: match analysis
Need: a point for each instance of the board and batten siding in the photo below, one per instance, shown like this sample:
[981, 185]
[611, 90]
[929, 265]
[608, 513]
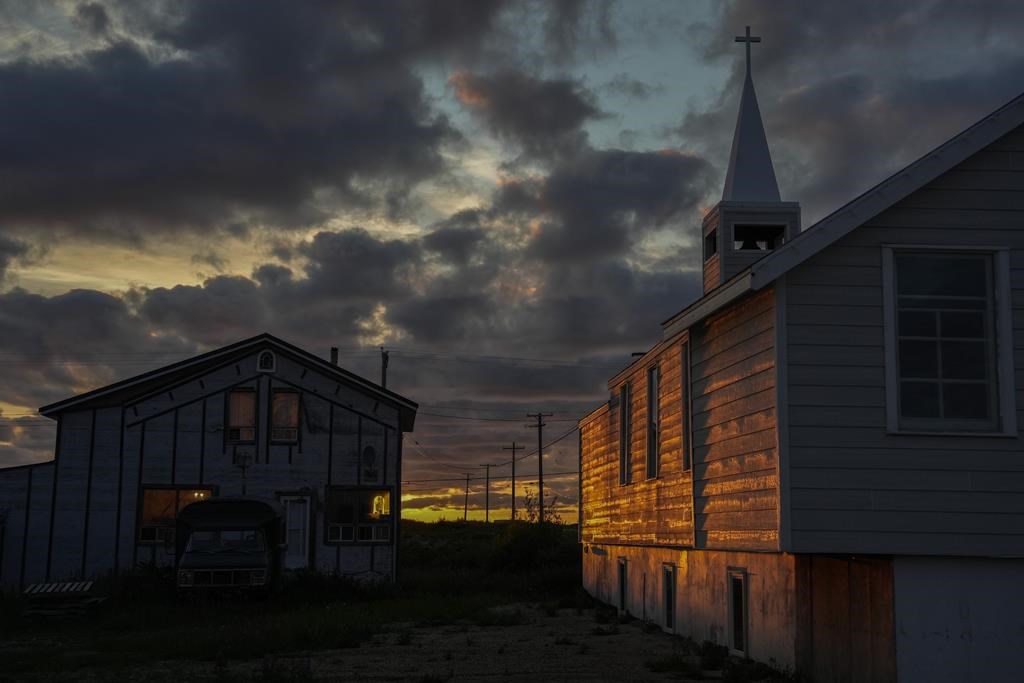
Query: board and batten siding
[85, 523]
[735, 476]
[854, 488]
[656, 511]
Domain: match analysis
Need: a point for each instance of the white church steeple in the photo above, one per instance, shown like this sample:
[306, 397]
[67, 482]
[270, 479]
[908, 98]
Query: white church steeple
[751, 220]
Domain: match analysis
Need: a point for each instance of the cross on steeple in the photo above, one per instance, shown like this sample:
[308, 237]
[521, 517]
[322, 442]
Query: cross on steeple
[748, 39]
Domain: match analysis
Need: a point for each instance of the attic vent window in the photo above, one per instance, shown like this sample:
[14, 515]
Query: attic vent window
[266, 362]
[757, 237]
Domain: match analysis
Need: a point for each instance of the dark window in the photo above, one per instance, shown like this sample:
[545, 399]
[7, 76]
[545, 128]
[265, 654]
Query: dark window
[362, 515]
[685, 412]
[757, 237]
[370, 471]
[653, 421]
[623, 584]
[710, 244]
[242, 416]
[266, 362]
[945, 341]
[738, 611]
[669, 593]
[625, 434]
[284, 416]
[159, 508]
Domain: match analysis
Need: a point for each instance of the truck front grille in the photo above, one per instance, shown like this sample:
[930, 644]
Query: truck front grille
[229, 577]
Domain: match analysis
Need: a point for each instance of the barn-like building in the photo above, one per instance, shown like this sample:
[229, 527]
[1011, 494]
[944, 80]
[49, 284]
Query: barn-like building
[260, 418]
[819, 463]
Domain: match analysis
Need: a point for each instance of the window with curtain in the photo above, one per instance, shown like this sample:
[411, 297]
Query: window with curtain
[242, 416]
[284, 416]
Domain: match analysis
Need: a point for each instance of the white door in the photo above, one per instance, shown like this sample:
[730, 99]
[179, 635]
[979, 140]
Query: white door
[296, 530]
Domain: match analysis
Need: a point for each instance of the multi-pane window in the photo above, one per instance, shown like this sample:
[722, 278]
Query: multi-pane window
[160, 507]
[284, 416]
[653, 421]
[242, 416]
[945, 341]
[358, 515]
[625, 434]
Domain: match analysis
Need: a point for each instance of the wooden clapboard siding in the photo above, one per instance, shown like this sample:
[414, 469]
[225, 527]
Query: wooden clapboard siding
[712, 273]
[734, 433]
[654, 511]
[854, 487]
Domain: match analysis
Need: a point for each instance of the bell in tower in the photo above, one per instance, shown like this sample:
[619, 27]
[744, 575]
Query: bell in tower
[751, 220]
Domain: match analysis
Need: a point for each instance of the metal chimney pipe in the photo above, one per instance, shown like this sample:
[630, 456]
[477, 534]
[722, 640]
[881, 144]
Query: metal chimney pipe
[334, 355]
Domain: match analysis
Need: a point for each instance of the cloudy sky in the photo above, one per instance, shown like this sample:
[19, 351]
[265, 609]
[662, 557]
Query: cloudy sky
[505, 194]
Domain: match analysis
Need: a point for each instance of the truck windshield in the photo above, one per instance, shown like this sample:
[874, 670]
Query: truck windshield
[246, 540]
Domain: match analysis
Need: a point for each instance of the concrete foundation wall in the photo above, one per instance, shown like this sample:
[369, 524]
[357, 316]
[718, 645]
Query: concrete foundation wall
[959, 619]
[702, 604]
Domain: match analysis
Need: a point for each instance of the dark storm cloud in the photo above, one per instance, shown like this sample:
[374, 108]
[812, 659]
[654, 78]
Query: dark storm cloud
[623, 85]
[11, 250]
[262, 106]
[852, 92]
[93, 18]
[544, 117]
[599, 202]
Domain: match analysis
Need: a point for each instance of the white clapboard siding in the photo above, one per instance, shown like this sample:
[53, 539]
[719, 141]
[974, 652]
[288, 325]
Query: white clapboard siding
[853, 487]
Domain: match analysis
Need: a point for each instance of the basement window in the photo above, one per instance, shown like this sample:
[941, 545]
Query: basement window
[358, 515]
[668, 593]
[757, 237]
[737, 592]
[623, 585]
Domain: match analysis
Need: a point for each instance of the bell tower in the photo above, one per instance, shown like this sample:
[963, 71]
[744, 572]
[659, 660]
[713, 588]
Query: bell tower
[751, 220]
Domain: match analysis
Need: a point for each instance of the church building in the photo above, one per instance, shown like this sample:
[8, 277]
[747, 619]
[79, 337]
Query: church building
[819, 462]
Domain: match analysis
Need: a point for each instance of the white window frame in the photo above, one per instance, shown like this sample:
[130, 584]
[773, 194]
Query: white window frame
[1006, 410]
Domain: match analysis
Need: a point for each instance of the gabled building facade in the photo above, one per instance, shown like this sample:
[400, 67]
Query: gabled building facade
[820, 463]
[259, 418]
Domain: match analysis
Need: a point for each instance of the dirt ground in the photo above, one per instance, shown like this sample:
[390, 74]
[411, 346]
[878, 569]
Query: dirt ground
[537, 645]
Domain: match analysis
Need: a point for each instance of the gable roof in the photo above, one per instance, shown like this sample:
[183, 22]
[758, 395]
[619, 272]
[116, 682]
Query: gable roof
[139, 385]
[854, 213]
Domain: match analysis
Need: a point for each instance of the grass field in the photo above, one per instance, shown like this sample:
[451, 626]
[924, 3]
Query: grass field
[449, 572]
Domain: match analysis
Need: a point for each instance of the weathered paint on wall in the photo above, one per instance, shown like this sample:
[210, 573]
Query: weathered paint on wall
[735, 450]
[701, 609]
[654, 510]
[958, 620]
[176, 436]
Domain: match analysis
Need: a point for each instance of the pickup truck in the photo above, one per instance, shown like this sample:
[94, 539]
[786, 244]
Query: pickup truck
[229, 545]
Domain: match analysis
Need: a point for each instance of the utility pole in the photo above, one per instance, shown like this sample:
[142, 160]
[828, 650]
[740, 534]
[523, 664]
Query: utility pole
[514, 447]
[384, 368]
[487, 495]
[540, 460]
[465, 505]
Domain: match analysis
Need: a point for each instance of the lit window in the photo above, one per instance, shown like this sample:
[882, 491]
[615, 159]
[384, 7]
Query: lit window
[242, 416]
[160, 508]
[358, 515]
[946, 364]
[284, 416]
